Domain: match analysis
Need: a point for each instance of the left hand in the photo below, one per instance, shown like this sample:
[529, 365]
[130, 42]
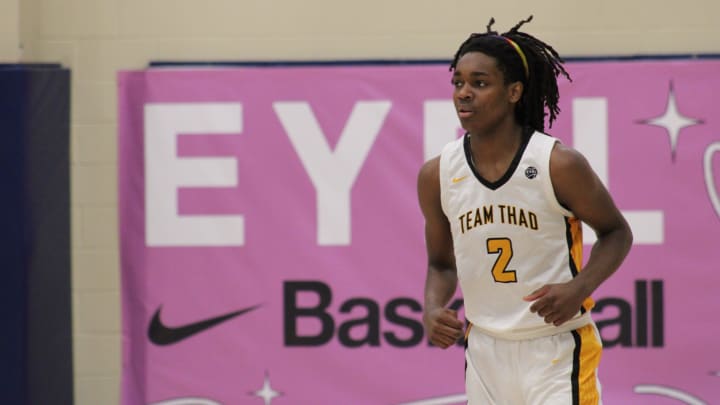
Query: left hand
[556, 303]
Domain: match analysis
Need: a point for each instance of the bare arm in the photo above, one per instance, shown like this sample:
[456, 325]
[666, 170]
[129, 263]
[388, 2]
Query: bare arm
[441, 324]
[579, 189]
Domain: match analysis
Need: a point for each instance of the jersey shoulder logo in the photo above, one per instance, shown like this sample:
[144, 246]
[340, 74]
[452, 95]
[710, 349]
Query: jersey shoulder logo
[531, 172]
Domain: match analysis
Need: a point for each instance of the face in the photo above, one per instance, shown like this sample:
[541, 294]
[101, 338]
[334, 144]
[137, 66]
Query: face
[482, 99]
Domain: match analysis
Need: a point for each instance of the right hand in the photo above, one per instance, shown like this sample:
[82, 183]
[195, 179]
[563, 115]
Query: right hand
[443, 327]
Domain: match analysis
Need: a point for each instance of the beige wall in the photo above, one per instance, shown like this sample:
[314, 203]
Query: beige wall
[95, 38]
[9, 31]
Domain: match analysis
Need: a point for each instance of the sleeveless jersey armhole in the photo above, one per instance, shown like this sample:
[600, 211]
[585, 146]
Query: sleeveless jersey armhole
[550, 143]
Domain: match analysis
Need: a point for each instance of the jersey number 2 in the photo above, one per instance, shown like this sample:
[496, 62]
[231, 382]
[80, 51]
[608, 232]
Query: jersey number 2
[500, 272]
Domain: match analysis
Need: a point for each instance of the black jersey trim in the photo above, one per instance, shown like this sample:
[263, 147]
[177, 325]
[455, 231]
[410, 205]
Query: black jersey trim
[571, 259]
[568, 237]
[494, 185]
[468, 325]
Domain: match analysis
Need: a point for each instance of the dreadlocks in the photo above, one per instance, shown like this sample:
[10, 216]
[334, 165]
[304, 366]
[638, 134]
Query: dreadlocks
[524, 58]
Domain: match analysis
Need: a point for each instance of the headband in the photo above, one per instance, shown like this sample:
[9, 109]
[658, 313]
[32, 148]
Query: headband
[520, 52]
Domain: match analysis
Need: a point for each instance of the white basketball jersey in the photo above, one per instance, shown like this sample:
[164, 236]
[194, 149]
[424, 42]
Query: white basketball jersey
[510, 238]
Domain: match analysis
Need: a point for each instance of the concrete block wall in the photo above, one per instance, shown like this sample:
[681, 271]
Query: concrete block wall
[96, 38]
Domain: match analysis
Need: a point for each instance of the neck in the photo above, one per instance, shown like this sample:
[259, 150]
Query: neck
[497, 145]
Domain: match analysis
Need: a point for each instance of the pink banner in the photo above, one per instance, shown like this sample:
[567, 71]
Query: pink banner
[272, 246]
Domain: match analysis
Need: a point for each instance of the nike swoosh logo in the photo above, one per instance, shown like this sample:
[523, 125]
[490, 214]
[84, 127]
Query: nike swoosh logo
[458, 179]
[163, 335]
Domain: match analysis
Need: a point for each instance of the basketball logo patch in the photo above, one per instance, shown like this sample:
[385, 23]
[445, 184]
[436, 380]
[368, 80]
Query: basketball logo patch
[531, 172]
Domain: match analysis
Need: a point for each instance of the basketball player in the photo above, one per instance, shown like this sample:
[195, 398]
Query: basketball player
[503, 207]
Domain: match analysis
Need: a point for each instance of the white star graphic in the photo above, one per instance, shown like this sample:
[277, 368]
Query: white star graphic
[673, 121]
[267, 393]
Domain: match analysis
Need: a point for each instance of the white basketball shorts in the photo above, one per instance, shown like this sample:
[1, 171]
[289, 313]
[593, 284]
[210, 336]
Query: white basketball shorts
[553, 370]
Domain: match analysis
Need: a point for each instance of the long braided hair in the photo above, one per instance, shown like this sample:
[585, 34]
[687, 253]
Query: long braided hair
[538, 72]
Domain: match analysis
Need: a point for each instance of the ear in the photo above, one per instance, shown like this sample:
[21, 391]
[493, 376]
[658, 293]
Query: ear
[515, 90]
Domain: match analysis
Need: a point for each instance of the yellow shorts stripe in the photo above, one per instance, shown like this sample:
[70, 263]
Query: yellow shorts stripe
[586, 359]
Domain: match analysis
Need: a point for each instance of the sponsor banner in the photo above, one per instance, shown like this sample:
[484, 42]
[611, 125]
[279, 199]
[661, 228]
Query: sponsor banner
[272, 246]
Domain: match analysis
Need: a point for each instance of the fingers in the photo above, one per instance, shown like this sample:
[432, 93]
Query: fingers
[444, 336]
[560, 321]
[555, 303]
[449, 318]
[542, 306]
[540, 292]
[445, 329]
[552, 318]
[452, 333]
[546, 309]
[557, 319]
[443, 341]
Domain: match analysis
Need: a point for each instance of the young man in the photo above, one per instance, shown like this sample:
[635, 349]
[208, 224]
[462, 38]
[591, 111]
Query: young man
[503, 208]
